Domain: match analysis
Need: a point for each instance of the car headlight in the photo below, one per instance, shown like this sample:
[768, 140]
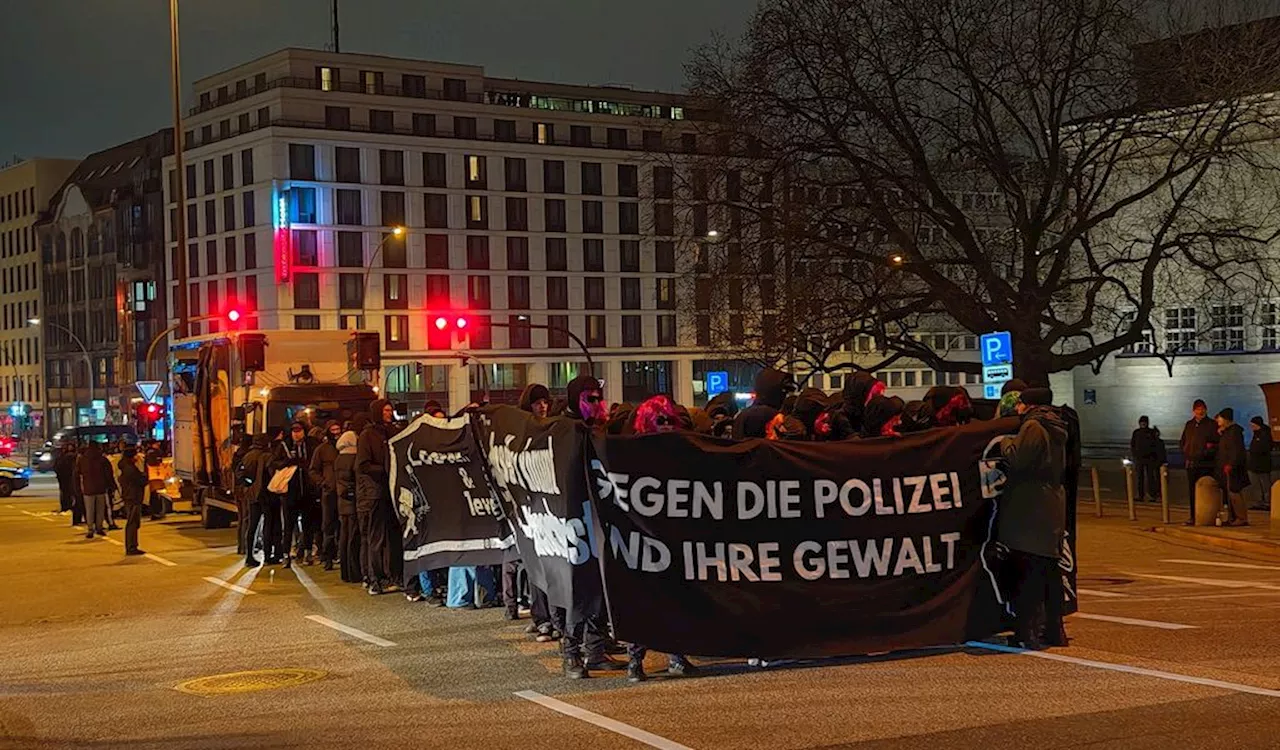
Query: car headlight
[46, 456]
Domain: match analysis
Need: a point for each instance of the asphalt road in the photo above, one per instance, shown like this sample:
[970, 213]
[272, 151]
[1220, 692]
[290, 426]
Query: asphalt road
[1176, 646]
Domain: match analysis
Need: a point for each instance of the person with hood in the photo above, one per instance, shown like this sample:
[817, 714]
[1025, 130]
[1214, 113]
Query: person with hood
[1232, 462]
[586, 401]
[243, 446]
[253, 474]
[1259, 462]
[881, 416]
[771, 389]
[1199, 443]
[1145, 452]
[951, 405]
[721, 409]
[379, 530]
[299, 501]
[536, 399]
[808, 407]
[64, 468]
[96, 480]
[858, 391]
[344, 475]
[433, 409]
[1032, 515]
[917, 416]
[133, 489]
[324, 478]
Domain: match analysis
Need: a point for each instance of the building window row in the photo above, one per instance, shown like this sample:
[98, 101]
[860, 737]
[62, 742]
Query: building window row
[18, 204]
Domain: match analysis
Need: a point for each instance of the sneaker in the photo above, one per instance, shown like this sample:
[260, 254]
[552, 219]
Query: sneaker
[251, 562]
[511, 614]
[602, 662]
[531, 628]
[635, 671]
[375, 589]
[414, 596]
[135, 552]
[681, 668]
[89, 535]
[328, 565]
[574, 669]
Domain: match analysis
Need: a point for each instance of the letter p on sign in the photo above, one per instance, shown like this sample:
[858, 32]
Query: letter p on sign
[997, 348]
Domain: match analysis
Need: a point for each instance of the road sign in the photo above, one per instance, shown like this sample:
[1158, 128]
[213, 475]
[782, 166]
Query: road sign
[149, 389]
[997, 348]
[717, 382]
[991, 391]
[997, 373]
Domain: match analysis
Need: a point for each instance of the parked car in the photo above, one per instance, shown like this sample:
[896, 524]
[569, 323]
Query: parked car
[12, 477]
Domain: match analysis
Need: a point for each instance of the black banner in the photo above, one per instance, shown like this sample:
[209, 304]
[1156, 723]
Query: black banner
[447, 513]
[538, 467]
[770, 549]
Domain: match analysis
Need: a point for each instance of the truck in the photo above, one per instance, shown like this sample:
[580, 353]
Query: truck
[227, 385]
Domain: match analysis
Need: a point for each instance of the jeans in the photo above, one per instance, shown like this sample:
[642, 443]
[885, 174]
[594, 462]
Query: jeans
[95, 513]
[1148, 478]
[462, 585]
[1260, 488]
[257, 512]
[133, 519]
[308, 512]
[271, 531]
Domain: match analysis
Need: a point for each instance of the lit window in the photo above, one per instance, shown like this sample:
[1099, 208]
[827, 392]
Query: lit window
[543, 135]
[476, 207]
[326, 79]
[475, 168]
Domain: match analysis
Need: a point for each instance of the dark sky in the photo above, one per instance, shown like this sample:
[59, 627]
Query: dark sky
[80, 75]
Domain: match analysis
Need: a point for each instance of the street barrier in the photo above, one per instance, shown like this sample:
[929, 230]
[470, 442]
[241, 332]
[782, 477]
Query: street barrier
[1129, 489]
[1164, 492]
[1097, 492]
[1208, 501]
[1275, 506]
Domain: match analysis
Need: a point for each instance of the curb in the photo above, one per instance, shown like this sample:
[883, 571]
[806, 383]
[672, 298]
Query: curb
[1250, 546]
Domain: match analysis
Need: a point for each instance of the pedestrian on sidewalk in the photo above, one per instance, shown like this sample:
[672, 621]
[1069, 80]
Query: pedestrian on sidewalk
[1259, 463]
[1199, 443]
[1144, 447]
[133, 489]
[95, 480]
[1231, 467]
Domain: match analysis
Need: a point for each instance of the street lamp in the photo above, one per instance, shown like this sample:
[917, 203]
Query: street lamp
[88, 363]
[591, 367]
[396, 232]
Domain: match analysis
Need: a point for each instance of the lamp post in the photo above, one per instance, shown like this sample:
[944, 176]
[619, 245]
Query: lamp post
[180, 302]
[591, 366]
[396, 232]
[88, 363]
[233, 316]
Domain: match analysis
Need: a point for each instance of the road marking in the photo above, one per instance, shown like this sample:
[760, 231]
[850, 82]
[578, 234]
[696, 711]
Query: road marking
[161, 560]
[375, 640]
[1103, 594]
[229, 586]
[604, 722]
[113, 541]
[1133, 621]
[37, 515]
[1242, 566]
[11, 507]
[1219, 582]
[1174, 676]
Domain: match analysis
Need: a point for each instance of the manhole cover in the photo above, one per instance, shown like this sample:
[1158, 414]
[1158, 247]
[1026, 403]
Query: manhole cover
[249, 682]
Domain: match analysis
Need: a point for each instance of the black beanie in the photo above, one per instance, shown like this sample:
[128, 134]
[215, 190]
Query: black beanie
[1258, 421]
[1017, 384]
[1228, 414]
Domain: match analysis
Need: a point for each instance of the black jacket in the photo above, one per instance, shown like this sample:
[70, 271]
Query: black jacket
[289, 453]
[254, 474]
[1144, 445]
[1260, 451]
[93, 472]
[321, 469]
[373, 465]
[1199, 442]
[344, 470]
[133, 482]
[1032, 513]
[1231, 454]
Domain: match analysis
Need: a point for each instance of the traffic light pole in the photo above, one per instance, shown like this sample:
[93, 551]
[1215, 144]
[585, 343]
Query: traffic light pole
[151, 349]
[591, 365]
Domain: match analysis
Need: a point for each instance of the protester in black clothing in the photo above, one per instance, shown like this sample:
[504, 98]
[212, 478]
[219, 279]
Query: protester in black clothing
[344, 471]
[536, 399]
[1231, 457]
[299, 502]
[324, 479]
[1199, 443]
[1031, 520]
[133, 488]
[771, 389]
[253, 474]
[64, 467]
[155, 457]
[238, 493]
[1145, 449]
[379, 530]
[1259, 463]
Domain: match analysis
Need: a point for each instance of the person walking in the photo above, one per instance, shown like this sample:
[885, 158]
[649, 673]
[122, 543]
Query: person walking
[1232, 462]
[326, 481]
[1259, 463]
[373, 501]
[299, 501]
[133, 490]
[1199, 443]
[96, 481]
[1031, 517]
[344, 470]
[1145, 452]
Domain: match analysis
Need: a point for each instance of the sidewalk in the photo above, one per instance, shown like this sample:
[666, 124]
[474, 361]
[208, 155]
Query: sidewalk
[1260, 537]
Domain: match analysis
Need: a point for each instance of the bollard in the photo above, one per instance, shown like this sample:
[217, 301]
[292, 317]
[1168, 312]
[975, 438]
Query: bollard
[1097, 493]
[1129, 488]
[1164, 491]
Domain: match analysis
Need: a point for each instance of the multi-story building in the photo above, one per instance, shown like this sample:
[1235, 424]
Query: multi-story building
[25, 189]
[102, 241]
[538, 209]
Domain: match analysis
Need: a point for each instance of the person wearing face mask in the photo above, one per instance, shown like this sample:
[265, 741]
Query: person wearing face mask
[299, 501]
[379, 530]
[326, 481]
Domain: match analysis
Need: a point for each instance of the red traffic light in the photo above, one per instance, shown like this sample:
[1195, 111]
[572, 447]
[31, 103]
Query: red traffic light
[444, 322]
[233, 315]
[441, 322]
[153, 410]
[461, 323]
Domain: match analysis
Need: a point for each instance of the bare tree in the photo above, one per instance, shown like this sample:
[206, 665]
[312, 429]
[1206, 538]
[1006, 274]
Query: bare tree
[1061, 169]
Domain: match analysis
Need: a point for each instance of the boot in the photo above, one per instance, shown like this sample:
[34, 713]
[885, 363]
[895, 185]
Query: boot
[288, 562]
[635, 671]
[573, 667]
[678, 666]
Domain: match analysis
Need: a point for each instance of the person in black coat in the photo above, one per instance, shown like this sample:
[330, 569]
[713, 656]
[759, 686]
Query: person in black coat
[1199, 442]
[379, 530]
[344, 471]
[1259, 463]
[1232, 460]
[133, 489]
[300, 503]
[237, 492]
[253, 474]
[771, 389]
[326, 482]
[1145, 449]
[64, 468]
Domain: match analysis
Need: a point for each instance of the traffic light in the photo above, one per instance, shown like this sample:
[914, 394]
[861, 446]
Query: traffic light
[443, 326]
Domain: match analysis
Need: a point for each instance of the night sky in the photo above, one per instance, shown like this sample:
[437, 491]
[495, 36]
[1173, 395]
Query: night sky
[77, 76]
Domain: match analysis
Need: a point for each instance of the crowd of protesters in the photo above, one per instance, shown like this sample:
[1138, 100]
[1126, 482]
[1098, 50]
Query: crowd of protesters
[98, 483]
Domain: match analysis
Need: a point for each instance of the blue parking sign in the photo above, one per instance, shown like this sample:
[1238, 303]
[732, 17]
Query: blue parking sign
[717, 382]
[996, 348]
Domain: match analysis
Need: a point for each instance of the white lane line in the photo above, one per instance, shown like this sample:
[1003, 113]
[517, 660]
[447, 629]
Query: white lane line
[604, 722]
[1221, 583]
[1173, 676]
[367, 637]
[116, 542]
[161, 560]
[229, 586]
[1134, 621]
[11, 507]
[1103, 594]
[1242, 566]
[37, 515]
